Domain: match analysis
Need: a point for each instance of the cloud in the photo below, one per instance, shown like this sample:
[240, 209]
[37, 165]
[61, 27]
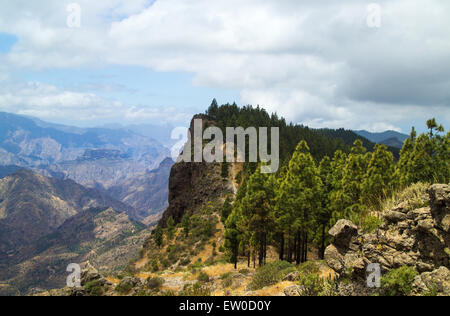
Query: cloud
[315, 62]
[48, 102]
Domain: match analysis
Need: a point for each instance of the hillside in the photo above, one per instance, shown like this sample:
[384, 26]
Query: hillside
[147, 193]
[32, 207]
[104, 237]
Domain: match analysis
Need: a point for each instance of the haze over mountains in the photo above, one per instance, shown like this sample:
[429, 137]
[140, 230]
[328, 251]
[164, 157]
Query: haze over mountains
[389, 138]
[94, 157]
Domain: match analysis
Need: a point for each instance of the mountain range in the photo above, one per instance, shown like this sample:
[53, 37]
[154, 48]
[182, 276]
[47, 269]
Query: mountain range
[388, 138]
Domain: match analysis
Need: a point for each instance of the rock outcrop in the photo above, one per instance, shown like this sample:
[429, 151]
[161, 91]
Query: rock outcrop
[417, 237]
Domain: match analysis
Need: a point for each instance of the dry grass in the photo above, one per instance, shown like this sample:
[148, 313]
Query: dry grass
[415, 195]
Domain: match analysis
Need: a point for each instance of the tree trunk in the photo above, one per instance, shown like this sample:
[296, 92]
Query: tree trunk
[322, 247]
[282, 247]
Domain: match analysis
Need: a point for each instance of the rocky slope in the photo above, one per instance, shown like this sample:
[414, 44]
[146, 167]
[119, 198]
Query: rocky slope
[414, 234]
[34, 209]
[104, 237]
[147, 193]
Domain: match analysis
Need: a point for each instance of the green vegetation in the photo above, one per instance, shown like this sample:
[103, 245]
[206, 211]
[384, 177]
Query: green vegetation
[294, 209]
[154, 283]
[398, 282]
[195, 290]
[270, 274]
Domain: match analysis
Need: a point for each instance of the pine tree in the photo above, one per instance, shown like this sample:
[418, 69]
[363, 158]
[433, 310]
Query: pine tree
[299, 199]
[186, 224]
[257, 211]
[402, 172]
[378, 179]
[158, 236]
[232, 237]
[353, 176]
[227, 208]
[170, 228]
[325, 213]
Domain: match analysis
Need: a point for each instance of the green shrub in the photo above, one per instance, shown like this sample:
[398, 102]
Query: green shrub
[398, 282]
[244, 271]
[94, 288]
[203, 277]
[154, 283]
[309, 267]
[312, 284]
[370, 223]
[195, 290]
[269, 274]
[123, 288]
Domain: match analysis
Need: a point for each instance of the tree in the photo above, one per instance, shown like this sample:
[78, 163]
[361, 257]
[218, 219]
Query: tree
[227, 208]
[257, 210]
[378, 179]
[299, 199]
[170, 228]
[158, 236]
[186, 224]
[325, 212]
[352, 179]
[232, 237]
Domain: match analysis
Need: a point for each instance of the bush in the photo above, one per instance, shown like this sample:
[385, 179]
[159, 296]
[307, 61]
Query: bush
[312, 284]
[269, 274]
[124, 288]
[94, 288]
[195, 290]
[203, 277]
[244, 271]
[309, 267]
[154, 283]
[398, 282]
[370, 223]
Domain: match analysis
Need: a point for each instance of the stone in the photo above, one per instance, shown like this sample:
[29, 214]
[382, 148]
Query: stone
[394, 217]
[343, 232]
[293, 276]
[435, 282]
[294, 290]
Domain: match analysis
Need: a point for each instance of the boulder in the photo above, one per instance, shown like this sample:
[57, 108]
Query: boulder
[436, 282]
[294, 290]
[293, 276]
[343, 232]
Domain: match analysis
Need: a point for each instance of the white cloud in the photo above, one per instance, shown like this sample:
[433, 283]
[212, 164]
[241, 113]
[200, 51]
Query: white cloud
[316, 62]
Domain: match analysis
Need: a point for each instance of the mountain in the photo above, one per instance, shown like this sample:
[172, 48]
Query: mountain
[389, 138]
[146, 193]
[42, 220]
[105, 238]
[94, 157]
[32, 206]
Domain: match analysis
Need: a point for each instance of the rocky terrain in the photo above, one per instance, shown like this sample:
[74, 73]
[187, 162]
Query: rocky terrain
[147, 193]
[46, 222]
[415, 233]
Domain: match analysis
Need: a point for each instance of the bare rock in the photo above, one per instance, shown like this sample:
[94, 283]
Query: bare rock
[343, 232]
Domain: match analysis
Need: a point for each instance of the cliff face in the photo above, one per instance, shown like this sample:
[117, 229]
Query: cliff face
[413, 236]
[193, 184]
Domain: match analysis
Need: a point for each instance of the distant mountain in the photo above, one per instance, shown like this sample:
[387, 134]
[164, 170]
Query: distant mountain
[94, 157]
[7, 170]
[43, 215]
[146, 193]
[389, 138]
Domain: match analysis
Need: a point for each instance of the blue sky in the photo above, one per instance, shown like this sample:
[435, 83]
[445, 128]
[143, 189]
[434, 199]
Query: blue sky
[318, 63]
[7, 41]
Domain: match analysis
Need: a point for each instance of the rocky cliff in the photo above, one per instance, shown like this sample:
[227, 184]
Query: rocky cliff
[414, 234]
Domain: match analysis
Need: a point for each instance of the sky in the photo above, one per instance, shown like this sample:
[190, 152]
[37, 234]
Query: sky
[324, 63]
